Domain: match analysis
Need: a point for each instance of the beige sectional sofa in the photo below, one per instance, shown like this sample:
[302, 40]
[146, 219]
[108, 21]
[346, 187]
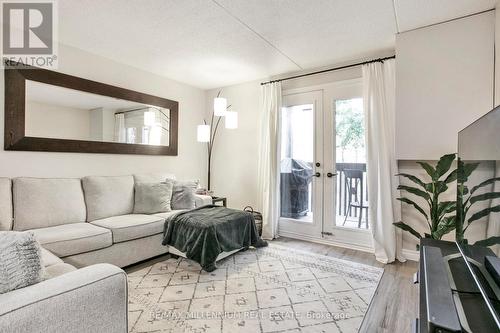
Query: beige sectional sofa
[79, 223]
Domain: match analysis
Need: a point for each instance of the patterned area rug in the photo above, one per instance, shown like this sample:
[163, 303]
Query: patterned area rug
[273, 289]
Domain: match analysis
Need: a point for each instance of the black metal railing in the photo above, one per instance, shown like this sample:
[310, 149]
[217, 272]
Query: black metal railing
[342, 195]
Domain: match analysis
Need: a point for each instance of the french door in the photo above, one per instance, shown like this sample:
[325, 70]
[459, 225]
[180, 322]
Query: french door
[323, 194]
[301, 188]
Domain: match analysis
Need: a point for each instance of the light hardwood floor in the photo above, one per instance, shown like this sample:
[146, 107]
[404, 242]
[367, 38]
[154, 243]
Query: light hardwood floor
[395, 303]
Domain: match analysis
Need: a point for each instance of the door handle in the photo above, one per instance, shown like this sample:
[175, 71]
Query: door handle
[317, 174]
[330, 175]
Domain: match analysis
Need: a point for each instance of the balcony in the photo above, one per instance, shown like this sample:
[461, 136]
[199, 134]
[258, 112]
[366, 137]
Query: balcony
[296, 193]
[344, 216]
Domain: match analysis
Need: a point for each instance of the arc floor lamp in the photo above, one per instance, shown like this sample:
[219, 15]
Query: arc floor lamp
[208, 132]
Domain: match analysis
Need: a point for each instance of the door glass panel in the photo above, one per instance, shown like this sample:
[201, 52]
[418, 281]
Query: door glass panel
[350, 156]
[296, 163]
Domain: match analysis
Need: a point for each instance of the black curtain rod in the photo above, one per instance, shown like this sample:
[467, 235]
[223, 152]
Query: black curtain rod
[330, 69]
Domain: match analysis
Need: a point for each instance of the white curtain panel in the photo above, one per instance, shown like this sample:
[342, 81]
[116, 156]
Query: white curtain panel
[268, 159]
[120, 131]
[379, 107]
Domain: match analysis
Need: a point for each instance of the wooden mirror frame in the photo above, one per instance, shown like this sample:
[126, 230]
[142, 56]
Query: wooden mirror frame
[15, 115]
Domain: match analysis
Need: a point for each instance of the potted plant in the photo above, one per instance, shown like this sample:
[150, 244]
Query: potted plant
[443, 217]
[436, 213]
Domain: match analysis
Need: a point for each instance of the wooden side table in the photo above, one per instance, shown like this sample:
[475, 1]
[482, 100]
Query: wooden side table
[219, 199]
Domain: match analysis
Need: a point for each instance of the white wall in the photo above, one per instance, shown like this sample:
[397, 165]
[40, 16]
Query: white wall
[444, 82]
[54, 121]
[444, 77]
[102, 124]
[236, 151]
[188, 164]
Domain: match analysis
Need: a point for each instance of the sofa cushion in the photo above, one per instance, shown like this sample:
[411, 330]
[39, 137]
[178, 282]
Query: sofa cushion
[68, 239]
[152, 177]
[5, 204]
[132, 226]
[58, 269]
[202, 200]
[47, 202]
[108, 196]
[49, 259]
[166, 215]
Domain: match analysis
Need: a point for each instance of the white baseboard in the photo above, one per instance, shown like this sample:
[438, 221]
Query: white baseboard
[411, 254]
[325, 241]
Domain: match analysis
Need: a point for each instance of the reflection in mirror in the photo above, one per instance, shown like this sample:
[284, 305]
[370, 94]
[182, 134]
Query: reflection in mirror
[478, 214]
[62, 113]
[479, 182]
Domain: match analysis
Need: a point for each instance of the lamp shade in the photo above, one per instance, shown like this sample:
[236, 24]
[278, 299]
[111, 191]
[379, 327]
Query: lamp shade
[203, 133]
[231, 119]
[220, 106]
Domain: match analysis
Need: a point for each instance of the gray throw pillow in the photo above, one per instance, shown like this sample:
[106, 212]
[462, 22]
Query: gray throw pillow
[151, 198]
[20, 262]
[183, 194]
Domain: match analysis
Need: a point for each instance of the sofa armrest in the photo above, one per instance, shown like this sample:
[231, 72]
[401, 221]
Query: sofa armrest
[91, 299]
[202, 200]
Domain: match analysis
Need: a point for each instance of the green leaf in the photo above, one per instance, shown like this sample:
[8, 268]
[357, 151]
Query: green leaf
[486, 182]
[416, 191]
[440, 187]
[436, 187]
[451, 177]
[417, 207]
[484, 196]
[412, 178]
[446, 207]
[446, 225]
[465, 190]
[465, 170]
[406, 227]
[494, 240]
[444, 165]
[483, 213]
[429, 169]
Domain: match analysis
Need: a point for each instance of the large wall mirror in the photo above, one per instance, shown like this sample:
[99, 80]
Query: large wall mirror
[50, 111]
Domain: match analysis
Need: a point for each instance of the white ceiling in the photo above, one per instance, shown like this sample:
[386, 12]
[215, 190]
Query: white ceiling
[215, 43]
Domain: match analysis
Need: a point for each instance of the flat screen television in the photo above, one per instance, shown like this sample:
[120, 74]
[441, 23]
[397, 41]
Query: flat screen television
[478, 212]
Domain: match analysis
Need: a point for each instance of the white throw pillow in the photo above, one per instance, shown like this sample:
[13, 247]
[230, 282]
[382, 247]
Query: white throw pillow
[183, 194]
[20, 260]
[152, 198]
[152, 177]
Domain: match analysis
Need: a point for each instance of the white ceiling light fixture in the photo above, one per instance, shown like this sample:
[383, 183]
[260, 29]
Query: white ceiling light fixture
[220, 106]
[231, 120]
[203, 133]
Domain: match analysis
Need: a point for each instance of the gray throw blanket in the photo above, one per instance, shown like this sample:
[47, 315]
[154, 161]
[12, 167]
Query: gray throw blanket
[205, 232]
